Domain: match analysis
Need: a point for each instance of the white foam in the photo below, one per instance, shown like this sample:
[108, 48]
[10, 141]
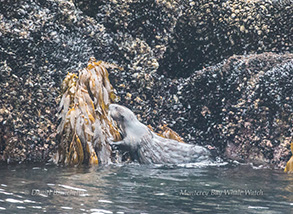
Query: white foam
[36, 168]
[257, 208]
[202, 164]
[72, 188]
[7, 193]
[11, 200]
[100, 211]
[36, 207]
[29, 201]
[160, 193]
[84, 195]
[105, 201]
[67, 208]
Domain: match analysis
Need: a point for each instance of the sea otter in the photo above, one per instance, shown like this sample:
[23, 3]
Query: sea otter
[147, 147]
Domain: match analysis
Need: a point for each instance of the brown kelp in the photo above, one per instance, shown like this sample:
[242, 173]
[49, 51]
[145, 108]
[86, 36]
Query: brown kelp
[85, 127]
[166, 132]
[289, 165]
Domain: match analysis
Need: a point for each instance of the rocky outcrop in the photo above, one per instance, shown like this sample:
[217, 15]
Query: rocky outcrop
[240, 104]
[208, 32]
[187, 35]
[40, 41]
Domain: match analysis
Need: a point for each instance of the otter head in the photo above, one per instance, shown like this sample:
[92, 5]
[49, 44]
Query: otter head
[122, 115]
[133, 132]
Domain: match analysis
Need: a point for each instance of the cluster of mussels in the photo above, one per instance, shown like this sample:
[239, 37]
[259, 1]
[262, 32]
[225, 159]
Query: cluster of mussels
[27, 115]
[85, 126]
[209, 31]
[187, 35]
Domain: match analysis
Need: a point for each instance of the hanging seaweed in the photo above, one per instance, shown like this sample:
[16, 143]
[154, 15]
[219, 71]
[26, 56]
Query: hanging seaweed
[85, 127]
[166, 132]
[289, 165]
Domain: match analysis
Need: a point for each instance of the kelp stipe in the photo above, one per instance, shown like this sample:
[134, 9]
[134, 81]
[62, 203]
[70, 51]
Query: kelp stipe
[85, 127]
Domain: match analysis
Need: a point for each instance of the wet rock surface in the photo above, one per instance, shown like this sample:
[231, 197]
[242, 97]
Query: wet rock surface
[244, 102]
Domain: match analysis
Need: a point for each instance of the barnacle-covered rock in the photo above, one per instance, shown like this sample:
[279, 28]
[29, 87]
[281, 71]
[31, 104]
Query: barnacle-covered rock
[40, 41]
[232, 103]
[151, 21]
[242, 106]
[208, 31]
[85, 127]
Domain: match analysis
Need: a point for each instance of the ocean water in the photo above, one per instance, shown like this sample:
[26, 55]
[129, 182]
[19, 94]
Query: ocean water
[134, 188]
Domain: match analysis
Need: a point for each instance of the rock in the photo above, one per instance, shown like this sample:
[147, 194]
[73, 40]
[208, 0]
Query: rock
[156, 44]
[243, 101]
[39, 43]
[212, 30]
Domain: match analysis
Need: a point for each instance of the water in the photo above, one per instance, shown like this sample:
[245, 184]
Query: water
[136, 188]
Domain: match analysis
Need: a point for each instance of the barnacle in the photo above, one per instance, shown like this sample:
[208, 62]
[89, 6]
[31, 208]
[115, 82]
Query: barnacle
[289, 165]
[85, 127]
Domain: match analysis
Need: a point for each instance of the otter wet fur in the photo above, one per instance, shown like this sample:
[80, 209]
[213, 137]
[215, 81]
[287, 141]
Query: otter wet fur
[147, 147]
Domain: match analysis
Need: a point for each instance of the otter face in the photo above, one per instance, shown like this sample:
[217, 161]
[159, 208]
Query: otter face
[121, 114]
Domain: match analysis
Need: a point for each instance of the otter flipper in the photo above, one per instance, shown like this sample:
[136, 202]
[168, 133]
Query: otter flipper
[121, 145]
[118, 143]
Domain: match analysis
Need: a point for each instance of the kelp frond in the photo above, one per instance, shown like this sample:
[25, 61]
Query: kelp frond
[289, 165]
[167, 132]
[85, 127]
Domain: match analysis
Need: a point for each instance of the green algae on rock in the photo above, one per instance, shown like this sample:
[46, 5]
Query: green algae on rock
[85, 127]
